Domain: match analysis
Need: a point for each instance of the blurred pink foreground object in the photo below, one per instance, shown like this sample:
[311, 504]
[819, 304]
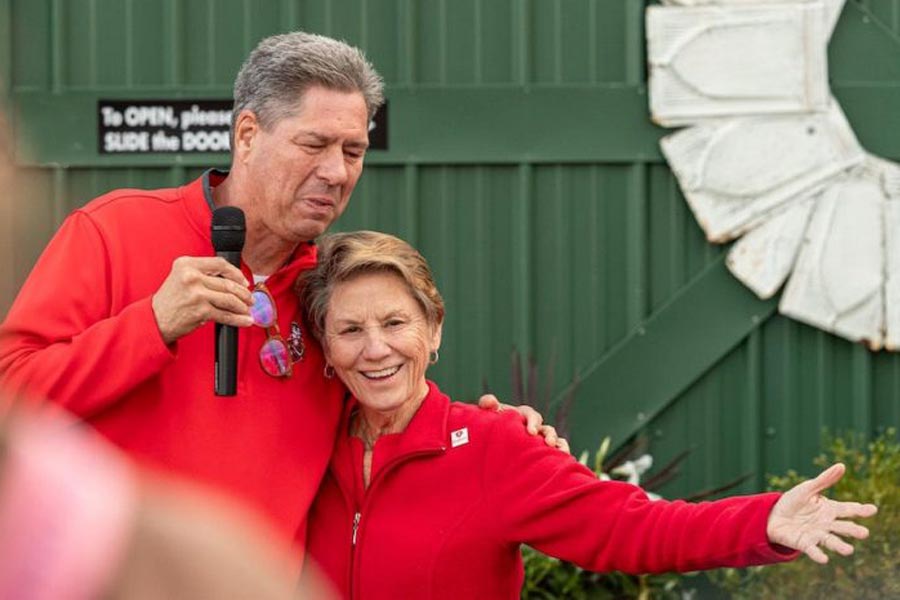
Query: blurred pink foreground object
[66, 509]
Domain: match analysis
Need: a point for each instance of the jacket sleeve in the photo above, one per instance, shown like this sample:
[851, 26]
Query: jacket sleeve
[60, 340]
[546, 499]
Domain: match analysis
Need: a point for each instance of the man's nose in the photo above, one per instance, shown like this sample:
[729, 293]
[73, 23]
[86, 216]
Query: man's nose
[332, 168]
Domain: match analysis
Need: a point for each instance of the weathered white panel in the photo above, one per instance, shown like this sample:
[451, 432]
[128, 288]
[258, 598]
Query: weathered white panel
[891, 179]
[837, 283]
[735, 172]
[833, 10]
[832, 7]
[763, 258]
[892, 283]
[736, 60]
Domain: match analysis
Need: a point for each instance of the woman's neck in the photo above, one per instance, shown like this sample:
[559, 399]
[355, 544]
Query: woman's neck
[371, 424]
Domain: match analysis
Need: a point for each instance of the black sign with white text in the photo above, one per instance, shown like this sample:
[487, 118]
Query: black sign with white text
[181, 126]
[163, 126]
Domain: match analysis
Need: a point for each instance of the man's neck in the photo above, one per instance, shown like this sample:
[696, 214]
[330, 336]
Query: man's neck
[264, 253]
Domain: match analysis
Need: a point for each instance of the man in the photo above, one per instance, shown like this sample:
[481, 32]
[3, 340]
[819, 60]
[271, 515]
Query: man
[115, 322]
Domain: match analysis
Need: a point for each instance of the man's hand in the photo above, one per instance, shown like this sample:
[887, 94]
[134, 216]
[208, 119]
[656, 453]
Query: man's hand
[201, 289]
[805, 520]
[533, 420]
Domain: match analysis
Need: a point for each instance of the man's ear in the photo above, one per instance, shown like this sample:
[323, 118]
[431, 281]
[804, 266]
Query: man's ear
[246, 127]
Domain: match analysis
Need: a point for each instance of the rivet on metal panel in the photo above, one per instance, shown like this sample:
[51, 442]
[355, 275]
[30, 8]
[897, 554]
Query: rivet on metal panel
[641, 331]
[641, 417]
[658, 434]
[770, 432]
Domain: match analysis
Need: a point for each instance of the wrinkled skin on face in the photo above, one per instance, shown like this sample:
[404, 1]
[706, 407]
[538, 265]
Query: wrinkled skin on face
[297, 175]
[378, 340]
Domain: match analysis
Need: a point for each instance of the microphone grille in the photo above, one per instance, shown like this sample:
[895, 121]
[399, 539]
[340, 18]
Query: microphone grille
[228, 229]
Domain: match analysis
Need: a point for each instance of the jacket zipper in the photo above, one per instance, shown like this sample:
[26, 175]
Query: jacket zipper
[356, 518]
[356, 538]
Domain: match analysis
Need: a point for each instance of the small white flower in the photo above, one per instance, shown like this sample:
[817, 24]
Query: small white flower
[633, 469]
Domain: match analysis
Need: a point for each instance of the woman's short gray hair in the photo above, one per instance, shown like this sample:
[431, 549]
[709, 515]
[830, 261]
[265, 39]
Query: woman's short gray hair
[282, 67]
[343, 256]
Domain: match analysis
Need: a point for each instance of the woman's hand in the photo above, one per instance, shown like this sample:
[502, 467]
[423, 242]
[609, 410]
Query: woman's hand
[533, 420]
[805, 520]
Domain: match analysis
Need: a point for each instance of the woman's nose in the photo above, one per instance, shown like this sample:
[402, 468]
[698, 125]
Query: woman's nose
[376, 346]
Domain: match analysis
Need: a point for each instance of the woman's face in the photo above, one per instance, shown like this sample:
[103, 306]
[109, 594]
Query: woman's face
[378, 340]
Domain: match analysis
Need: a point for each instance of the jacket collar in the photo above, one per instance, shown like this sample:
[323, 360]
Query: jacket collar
[427, 431]
[425, 434]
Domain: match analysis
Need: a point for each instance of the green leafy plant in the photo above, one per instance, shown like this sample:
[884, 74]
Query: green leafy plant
[873, 570]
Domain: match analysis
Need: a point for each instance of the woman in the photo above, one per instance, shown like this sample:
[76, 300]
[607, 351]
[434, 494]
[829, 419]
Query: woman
[430, 498]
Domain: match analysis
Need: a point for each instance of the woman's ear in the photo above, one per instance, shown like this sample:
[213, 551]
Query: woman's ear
[326, 351]
[436, 331]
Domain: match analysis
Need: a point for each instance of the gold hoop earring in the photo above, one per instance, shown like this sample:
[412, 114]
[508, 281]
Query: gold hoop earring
[433, 357]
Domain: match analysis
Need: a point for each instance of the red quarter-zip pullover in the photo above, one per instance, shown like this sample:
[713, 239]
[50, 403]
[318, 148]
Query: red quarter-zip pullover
[82, 334]
[452, 498]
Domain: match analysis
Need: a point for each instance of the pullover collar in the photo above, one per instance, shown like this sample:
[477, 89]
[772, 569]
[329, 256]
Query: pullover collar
[425, 434]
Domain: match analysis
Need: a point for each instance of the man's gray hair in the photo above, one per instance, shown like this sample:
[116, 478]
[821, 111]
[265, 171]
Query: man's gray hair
[282, 67]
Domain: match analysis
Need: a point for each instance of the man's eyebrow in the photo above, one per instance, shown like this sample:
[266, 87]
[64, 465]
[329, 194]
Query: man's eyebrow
[318, 137]
[324, 139]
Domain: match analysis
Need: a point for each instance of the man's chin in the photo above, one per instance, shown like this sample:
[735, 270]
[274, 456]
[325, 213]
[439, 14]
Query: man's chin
[310, 232]
[310, 226]
[309, 229]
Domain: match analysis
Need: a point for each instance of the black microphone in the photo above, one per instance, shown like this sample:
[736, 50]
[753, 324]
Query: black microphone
[228, 231]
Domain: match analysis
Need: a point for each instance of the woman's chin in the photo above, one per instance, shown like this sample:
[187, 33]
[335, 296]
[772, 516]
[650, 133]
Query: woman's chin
[382, 403]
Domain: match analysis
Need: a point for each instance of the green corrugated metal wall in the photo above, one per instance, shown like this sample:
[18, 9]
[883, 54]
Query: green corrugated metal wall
[523, 164]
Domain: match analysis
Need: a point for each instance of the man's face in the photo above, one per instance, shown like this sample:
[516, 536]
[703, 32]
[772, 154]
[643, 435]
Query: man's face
[301, 172]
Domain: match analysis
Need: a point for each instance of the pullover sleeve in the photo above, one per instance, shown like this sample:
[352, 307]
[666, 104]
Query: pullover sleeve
[61, 340]
[549, 501]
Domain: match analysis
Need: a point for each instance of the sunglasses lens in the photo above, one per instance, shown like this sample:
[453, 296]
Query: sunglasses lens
[262, 311]
[274, 357]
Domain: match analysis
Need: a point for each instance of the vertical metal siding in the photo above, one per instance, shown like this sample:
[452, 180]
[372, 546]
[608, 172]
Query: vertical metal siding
[560, 260]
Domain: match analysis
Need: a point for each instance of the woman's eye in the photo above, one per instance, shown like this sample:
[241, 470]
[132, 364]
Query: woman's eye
[349, 330]
[394, 323]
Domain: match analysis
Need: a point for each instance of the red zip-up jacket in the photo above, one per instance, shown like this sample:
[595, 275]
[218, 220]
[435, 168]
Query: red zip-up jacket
[82, 334]
[453, 497]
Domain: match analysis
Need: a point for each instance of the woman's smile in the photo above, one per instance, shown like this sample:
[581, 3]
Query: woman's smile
[382, 374]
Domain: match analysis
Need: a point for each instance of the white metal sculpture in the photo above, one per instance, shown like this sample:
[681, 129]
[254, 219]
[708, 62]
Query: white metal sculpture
[751, 59]
[768, 155]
